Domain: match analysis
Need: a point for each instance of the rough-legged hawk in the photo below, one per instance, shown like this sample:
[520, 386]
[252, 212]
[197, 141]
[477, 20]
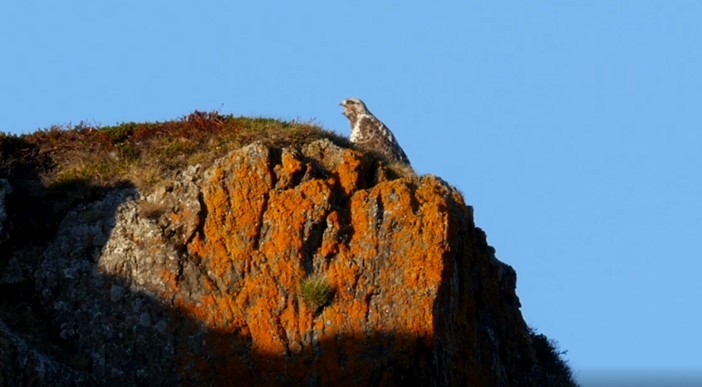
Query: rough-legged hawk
[370, 133]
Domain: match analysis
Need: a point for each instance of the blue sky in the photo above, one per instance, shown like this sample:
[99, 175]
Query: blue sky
[572, 127]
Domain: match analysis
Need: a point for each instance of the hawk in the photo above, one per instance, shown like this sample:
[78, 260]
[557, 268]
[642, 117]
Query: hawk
[370, 133]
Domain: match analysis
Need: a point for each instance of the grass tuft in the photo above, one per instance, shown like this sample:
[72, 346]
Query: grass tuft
[316, 291]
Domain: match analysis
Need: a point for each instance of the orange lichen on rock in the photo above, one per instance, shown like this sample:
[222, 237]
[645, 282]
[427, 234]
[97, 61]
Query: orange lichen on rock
[385, 249]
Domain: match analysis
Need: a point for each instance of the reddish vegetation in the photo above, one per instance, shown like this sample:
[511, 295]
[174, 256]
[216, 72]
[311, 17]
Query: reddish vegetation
[142, 152]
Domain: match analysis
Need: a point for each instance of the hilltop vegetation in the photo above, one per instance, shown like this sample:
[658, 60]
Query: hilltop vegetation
[142, 153]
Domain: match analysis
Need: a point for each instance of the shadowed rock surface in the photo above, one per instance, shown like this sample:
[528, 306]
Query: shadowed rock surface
[197, 281]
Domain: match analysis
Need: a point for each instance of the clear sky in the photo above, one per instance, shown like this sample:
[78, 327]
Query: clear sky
[574, 128]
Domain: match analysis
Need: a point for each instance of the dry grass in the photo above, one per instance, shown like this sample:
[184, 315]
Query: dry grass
[151, 210]
[402, 170]
[144, 153]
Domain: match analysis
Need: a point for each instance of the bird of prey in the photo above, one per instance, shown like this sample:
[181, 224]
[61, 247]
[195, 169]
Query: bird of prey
[370, 133]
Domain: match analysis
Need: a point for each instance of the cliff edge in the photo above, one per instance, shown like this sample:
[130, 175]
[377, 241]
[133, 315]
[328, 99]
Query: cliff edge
[306, 263]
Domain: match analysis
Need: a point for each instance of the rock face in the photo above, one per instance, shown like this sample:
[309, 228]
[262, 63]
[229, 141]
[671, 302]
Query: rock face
[25, 366]
[5, 189]
[199, 281]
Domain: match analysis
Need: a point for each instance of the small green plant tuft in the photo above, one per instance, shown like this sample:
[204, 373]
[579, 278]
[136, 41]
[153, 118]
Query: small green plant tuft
[316, 291]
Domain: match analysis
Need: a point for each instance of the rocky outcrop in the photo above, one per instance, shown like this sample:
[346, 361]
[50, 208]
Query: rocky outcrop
[23, 365]
[5, 190]
[199, 280]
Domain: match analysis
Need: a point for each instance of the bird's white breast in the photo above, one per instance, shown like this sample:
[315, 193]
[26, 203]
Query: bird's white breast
[356, 134]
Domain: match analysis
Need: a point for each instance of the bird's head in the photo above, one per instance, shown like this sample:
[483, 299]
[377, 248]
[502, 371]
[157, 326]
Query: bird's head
[354, 107]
